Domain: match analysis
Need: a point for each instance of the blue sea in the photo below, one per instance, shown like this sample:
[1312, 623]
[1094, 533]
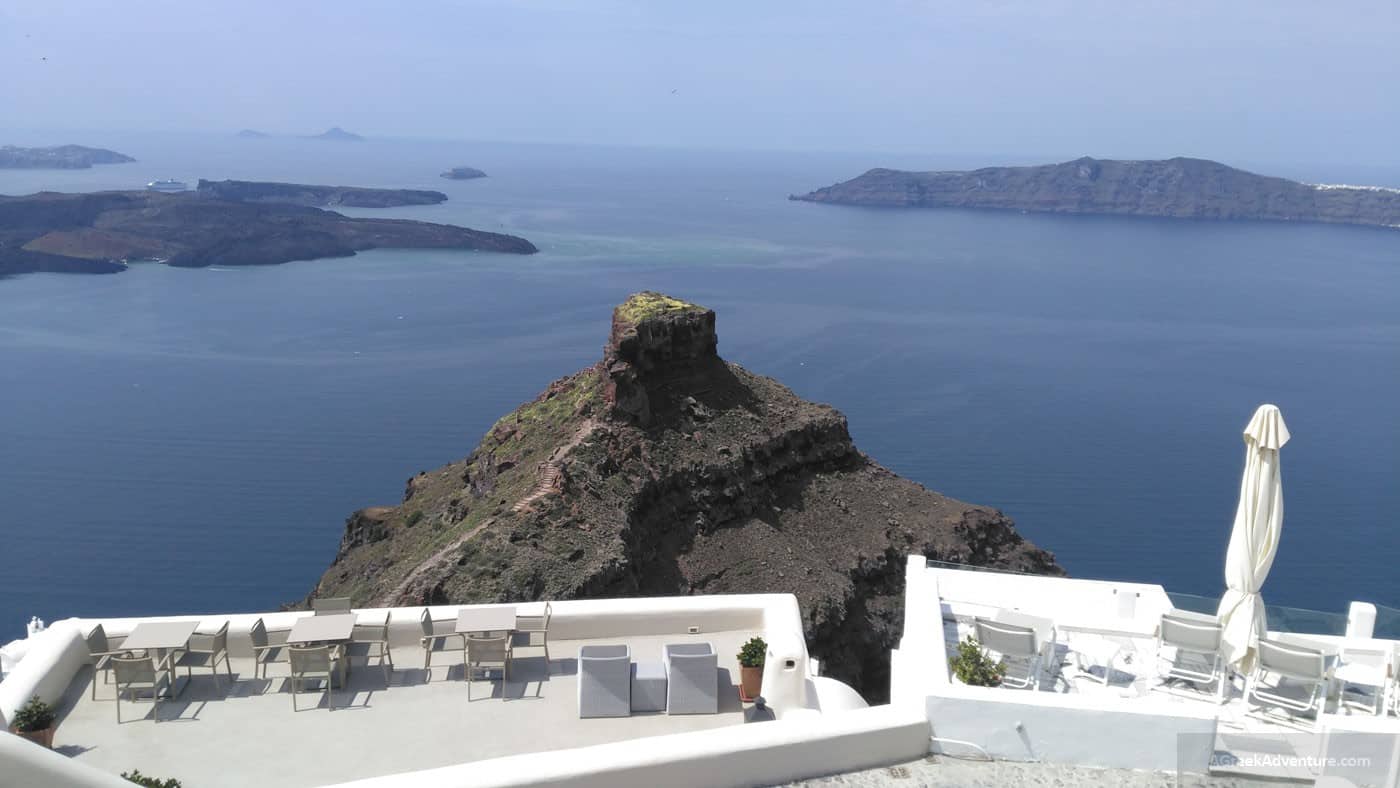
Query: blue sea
[176, 440]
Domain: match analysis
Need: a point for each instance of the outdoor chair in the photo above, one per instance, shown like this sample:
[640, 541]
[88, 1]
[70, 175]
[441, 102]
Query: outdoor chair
[486, 653]
[532, 631]
[604, 681]
[440, 636]
[692, 678]
[101, 649]
[1366, 673]
[313, 663]
[269, 647]
[331, 606]
[1293, 667]
[1188, 649]
[1017, 647]
[372, 640]
[206, 650]
[135, 674]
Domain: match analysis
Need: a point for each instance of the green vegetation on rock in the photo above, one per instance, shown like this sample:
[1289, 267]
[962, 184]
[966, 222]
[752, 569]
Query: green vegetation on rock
[647, 305]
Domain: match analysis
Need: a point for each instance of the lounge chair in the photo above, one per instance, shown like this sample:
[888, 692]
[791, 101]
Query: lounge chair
[604, 681]
[372, 640]
[1291, 666]
[314, 663]
[269, 646]
[1018, 649]
[529, 629]
[331, 606]
[439, 636]
[206, 650]
[1188, 649]
[101, 649]
[137, 673]
[692, 678]
[1366, 674]
[484, 654]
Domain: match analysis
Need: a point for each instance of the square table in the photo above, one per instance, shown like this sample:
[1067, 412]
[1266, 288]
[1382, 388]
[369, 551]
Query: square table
[489, 618]
[322, 629]
[160, 638]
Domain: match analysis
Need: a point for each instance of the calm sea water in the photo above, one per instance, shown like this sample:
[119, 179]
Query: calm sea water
[192, 440]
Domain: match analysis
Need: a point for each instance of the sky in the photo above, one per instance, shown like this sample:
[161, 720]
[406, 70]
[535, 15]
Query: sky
[1227, 79]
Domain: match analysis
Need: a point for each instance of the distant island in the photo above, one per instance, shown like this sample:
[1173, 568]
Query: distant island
[336, 133]
[98, 232]
[463, 173]
[251, 134]
[317, 196]
[1177, 188]
[59, 157]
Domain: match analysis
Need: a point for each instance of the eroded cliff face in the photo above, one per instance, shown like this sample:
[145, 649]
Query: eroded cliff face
[665, 470]
[1179, 188]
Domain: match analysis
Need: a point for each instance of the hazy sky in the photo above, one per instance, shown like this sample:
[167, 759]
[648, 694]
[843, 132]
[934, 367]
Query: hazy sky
[1230, 79]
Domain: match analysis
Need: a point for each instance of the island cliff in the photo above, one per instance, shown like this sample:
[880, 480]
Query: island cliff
[317, 196]
[60, 157]
[96, 232]
[665, 470]
[463, 174]
[1176, 188]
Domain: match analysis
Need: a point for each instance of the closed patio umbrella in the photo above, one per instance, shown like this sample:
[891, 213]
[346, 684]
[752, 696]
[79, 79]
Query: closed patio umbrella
[1254, 539]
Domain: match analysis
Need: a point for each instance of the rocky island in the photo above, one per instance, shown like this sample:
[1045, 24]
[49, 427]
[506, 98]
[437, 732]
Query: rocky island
[97, 232]
[337, 134]
[253, 134]
[1176, 188]
[60, 157]
[317, 196]
[663, 470]
[463, 174]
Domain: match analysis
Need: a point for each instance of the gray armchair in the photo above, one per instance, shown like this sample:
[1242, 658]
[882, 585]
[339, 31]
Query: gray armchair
[269, 646]
[315, 663]
[604, 681]
[207, 650]
[135, 674]
[331, 606]
[692, 678]
[372, 640]
[531, 631]
[439, 636]
[485, 654]
[101, 649]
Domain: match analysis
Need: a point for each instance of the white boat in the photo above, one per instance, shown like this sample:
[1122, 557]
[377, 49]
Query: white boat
[167, 186]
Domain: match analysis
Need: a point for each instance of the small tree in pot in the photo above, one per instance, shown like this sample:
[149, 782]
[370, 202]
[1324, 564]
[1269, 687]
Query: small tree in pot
[751, 656]
[973, 667]
[35, 721]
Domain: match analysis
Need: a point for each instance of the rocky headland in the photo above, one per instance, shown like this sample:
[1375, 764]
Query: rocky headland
[60, 157]
[317, 196]
[1175, 188]
[463, 174]
[97, 232]
[663, 470]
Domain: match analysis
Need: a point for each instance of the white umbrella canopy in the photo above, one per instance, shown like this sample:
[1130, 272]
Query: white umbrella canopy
[1254, 539]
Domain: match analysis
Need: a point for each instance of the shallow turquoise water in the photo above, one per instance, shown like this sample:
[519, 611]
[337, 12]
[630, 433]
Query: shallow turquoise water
[192, 440]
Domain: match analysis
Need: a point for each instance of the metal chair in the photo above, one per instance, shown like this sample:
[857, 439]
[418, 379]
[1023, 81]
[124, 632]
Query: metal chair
[269, 647]
[1018, 649]
[331, 606]
[1193, 642]
[372, 640]
[206, 650]
[1289, 665]
[527, 628]
[439, 636]
[133, 673]
[1365, 673]
[101, 649]
[313, 663]
[485, 653]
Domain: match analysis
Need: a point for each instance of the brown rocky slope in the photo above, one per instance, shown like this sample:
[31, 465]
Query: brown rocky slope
[665, 470]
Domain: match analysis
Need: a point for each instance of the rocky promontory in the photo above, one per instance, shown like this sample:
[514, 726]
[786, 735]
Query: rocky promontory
[1177, 188]
[317, 196]
[97, 232]
[662, 470]
[463, 174]
[60, 157]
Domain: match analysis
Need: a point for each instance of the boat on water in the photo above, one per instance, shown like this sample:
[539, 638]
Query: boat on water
[167, 186]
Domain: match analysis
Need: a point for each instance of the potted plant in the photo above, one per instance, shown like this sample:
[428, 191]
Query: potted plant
[973, 667]
[35, 721]
[751, 656]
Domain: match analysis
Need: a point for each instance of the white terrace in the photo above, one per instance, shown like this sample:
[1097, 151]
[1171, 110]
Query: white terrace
[416, 726]
[1098, 699]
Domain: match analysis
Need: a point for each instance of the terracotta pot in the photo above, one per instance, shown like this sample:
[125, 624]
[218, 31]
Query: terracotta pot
[43, 738]
[750, 682]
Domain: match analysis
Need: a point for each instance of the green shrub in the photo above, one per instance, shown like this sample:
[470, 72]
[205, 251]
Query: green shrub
[752, 653]
[972, 666]
[35, 715]
[137, 777]
[413, 518]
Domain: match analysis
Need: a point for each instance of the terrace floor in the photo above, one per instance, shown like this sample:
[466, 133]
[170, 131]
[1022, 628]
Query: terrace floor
[249, 735]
